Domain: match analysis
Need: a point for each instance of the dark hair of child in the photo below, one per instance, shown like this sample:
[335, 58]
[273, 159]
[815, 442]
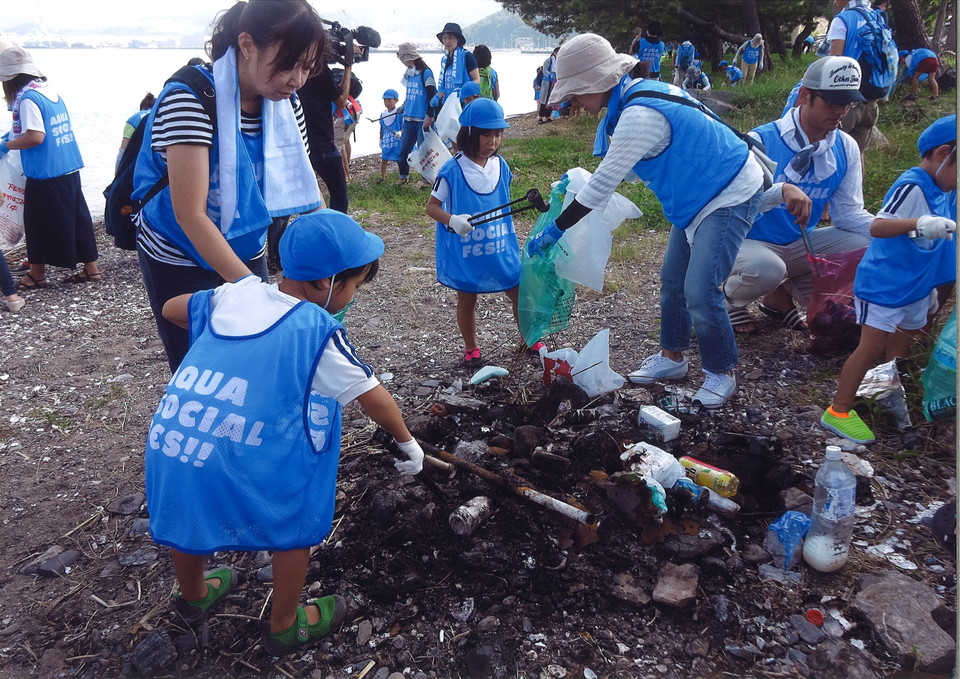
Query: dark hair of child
[953, 152]
[482, 54]
[641, 70]
[18, 82]
[468, 140]
[147, 101]
[348, 274]
[293, 25]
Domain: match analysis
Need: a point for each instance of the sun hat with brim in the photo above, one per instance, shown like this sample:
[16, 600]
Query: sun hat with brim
[941, 131]
[321, 244]
[14, 61]
[453, 29]
[407, 51]
[469, 89]
[485, 114]
[588, 64]
[835, 79]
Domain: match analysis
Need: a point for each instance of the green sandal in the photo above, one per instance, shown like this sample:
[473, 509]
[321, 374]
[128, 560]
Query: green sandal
[333, 610]
[194, 613]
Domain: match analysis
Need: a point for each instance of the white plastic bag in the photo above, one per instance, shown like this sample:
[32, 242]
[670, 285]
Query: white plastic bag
[429, 156]
[12, 184]
[448, 120]
[590, 367]
[585, 247]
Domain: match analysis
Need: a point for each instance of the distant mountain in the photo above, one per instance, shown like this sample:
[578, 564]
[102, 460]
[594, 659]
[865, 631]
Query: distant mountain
[504, 30]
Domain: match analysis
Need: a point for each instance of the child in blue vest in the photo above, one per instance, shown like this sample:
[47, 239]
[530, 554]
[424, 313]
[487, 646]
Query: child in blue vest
[391, 124]
[912, 253]
[920, 64]
[734, 74]
[242, 452]
[474, 260]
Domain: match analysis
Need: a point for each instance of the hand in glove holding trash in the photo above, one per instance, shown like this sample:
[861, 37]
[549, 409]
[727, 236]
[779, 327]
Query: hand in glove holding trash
[414, 464]
[931, 226]
[537, 245]
[460, 224]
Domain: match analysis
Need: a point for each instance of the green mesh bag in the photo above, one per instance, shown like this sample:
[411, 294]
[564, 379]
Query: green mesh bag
[546, 299]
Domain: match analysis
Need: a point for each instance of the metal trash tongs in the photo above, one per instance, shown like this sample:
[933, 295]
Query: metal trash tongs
[532, 196]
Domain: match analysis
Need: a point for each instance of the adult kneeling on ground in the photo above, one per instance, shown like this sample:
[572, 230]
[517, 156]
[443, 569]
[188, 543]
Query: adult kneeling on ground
[824, 162]
[672, 147]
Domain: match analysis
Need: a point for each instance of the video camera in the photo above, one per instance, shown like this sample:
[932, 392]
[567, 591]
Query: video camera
[346, 40]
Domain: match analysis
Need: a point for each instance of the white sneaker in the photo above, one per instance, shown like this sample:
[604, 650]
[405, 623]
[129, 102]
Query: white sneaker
[659, 367]
[716, 390]
[15, 304]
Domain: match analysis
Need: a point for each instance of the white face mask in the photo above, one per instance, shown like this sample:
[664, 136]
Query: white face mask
[945, 160]
[330, 291]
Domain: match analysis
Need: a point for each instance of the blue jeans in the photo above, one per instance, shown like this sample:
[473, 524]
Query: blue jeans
[166, 281]
[411, 135]
[691, 278]
[7, 286]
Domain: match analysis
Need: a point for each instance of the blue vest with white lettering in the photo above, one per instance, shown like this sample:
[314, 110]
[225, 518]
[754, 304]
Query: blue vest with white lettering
[456, 75]
[390, 126]
[914, 58]
[702, 159]
[58, 153]
[488, 258]
[898, 271]
[248, 232]
[778, 225]
[241, 453]
[751, 54]
[415, 103]
[651, 52]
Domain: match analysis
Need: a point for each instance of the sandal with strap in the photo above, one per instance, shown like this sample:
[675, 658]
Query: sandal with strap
[28, 282]
[194, 612]
[333, 611]
[742, 321]
[84, 277]
[792, 319]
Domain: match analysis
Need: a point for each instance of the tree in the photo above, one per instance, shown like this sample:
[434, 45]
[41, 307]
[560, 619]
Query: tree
[909, 27]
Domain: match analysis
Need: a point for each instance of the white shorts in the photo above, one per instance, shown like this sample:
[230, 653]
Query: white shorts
[888, 319]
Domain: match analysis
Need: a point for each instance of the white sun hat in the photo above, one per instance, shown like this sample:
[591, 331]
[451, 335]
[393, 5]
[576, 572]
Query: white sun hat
[588, 64]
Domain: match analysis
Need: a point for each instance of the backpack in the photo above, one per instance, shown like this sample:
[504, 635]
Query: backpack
[684, 56]
[878, 58]
[486, 83]
[120, 204]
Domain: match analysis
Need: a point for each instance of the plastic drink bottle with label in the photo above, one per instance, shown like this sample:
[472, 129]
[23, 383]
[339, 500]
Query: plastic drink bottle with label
[718, 480]
[827, 546]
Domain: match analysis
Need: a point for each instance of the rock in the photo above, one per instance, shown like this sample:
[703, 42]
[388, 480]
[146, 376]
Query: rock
[698, 646]
[52, 552]
[464, 610]
[795, 499]
[755, 554]
[527, 437]
[901, 611]
[489, 623]
[381, 673]
[421, 392]
[479, 662]
[364, 632]
[139, 557]
[128, 504]
[472, 451]
[685, 546]
[770, 572]
[744, 652]
[396, 675]
[721, 607]
[140, 527]
[153, 654]
[626, 588]
[809, 632]
[59, 564]
[711, 565]
[836, 658]
[265, 574]
[676, 585]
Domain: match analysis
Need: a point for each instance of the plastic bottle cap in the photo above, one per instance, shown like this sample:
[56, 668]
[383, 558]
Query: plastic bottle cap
[814, 616]
[834, 453]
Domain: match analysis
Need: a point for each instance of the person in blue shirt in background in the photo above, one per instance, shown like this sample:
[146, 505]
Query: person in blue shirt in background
[734, 74]
[751, 52]
[390, 125]
[917, 64]
[650, 49]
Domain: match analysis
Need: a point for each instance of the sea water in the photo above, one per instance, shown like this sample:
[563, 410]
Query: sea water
[103, 87]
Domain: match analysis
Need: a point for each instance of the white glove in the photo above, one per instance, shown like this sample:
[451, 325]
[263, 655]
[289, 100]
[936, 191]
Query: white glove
[461, 224]
[414, 453]
[931, 226]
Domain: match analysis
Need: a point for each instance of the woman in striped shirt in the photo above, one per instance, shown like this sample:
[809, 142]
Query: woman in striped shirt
[230, 174]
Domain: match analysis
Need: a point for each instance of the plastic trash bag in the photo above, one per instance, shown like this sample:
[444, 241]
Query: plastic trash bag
[545, 299]
[585, 247]
[940, 376]
[830, 315]
[785, 537]
[590, 367]
[429, 156]
[12, 184]
[883, 385]
[448, 120]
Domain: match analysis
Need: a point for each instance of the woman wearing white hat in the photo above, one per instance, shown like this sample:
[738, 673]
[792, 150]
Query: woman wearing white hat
[751, 52]
[707, 181]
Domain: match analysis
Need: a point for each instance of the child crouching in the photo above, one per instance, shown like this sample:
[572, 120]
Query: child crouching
[242, 453]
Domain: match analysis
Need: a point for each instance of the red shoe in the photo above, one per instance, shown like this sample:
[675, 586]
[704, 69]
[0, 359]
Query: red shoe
[471, 357]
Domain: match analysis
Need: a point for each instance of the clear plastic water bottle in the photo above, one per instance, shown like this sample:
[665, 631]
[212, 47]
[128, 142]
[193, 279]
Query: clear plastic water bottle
[827, 546]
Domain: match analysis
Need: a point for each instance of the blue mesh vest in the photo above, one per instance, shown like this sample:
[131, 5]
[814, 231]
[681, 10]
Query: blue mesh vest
[453, 74]
[898, 271]
[58, 154]
[488, 258]
[415, 103]
[651, 52]
[241, 453]
[702, 159]
[751, 54]
[778, 225]
[390, 126]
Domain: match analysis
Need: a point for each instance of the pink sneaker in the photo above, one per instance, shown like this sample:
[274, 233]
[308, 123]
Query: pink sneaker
[536, 347]
[471, 357]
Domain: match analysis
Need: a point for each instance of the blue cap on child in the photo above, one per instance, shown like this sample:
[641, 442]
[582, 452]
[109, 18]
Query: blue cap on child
[391, 94]
[485, 114]
[940, 132]
[323, 243]
[469, 89]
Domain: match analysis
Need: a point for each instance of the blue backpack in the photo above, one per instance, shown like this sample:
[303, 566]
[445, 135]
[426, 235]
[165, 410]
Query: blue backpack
[684, 56]
[879, 58]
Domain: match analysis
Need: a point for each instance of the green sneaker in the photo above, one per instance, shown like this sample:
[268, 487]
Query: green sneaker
[333, 610]
[850, 427]
[194, 613]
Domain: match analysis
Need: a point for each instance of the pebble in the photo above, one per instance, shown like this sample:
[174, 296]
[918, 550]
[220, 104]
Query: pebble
[140, 527]
[128, 504]
[59, 564]
[488, 623]
[381, 673]
[809, 632]
[364, 632]
[139, 557]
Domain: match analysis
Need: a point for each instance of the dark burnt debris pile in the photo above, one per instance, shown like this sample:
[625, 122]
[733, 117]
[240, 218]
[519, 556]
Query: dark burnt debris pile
[563, 568]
